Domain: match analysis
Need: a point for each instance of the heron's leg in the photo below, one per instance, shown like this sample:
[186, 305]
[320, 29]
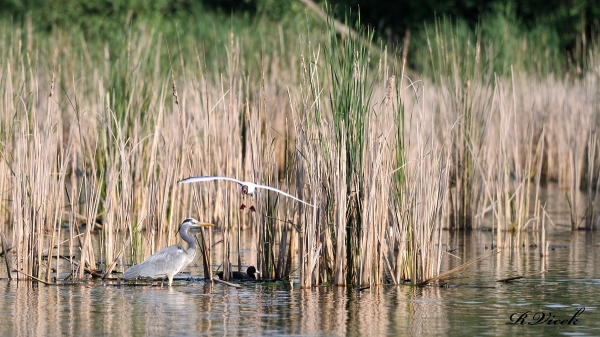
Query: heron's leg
[252, 209]
[243, 206]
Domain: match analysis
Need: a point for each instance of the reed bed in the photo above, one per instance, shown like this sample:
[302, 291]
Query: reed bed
[95, 137]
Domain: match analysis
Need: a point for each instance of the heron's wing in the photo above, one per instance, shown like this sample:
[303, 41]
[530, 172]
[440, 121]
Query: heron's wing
[207, 178]
[168, 261]
[282, 192]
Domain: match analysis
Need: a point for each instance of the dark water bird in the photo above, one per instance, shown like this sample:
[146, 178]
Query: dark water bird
[247, 188]
[169, 261]
[250, 274]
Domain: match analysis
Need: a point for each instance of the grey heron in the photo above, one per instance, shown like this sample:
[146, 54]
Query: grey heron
[169, 261]
[247, 188]
[250, 274]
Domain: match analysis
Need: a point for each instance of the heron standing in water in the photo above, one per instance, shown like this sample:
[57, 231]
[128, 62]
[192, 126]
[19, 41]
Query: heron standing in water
[247, 188]
[169, 261]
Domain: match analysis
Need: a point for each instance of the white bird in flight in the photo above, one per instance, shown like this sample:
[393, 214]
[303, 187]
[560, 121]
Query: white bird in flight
[247, 188]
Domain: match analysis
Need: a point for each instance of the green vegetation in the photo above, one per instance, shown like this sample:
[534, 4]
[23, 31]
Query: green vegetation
[545, 37]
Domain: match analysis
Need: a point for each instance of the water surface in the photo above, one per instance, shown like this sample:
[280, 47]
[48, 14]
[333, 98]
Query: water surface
[470, 302]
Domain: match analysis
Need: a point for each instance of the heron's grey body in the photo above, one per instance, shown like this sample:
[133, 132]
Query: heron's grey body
[171, 260]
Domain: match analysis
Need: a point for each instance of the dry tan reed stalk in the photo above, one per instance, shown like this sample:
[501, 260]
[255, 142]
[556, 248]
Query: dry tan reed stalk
[543, 249]
[35, 278]
[205, 248]
[227, 283]
[87, 250]
[459, 268]
[57, 218]
[112, 266]
[226, 252]
[285, 253]
[5, 252]
[377, 186]
[340, 216]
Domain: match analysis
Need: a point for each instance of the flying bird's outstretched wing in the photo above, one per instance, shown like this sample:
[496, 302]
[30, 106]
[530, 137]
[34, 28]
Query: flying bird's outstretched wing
[207, 178]
[282, 192]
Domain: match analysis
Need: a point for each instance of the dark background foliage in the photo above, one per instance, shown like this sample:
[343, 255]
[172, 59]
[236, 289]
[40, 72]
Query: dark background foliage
[384, 15]
[573, 22]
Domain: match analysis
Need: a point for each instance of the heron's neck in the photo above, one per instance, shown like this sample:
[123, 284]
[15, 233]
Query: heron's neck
[192, 243]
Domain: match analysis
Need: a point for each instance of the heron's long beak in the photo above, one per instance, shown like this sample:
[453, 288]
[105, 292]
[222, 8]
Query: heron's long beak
[203, 224]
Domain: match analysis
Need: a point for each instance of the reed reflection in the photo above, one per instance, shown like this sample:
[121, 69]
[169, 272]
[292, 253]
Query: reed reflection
[106, 308]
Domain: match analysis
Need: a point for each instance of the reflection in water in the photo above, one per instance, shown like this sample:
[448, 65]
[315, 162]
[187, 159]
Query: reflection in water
[472, 303]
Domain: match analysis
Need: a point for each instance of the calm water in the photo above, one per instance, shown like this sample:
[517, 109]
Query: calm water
[472, 303]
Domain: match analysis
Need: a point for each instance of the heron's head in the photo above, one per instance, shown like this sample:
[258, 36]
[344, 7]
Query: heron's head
[191, 223]
[244, 189]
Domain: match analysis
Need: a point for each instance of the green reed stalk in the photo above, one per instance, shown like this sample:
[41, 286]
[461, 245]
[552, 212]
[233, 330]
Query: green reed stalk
[350, 99]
